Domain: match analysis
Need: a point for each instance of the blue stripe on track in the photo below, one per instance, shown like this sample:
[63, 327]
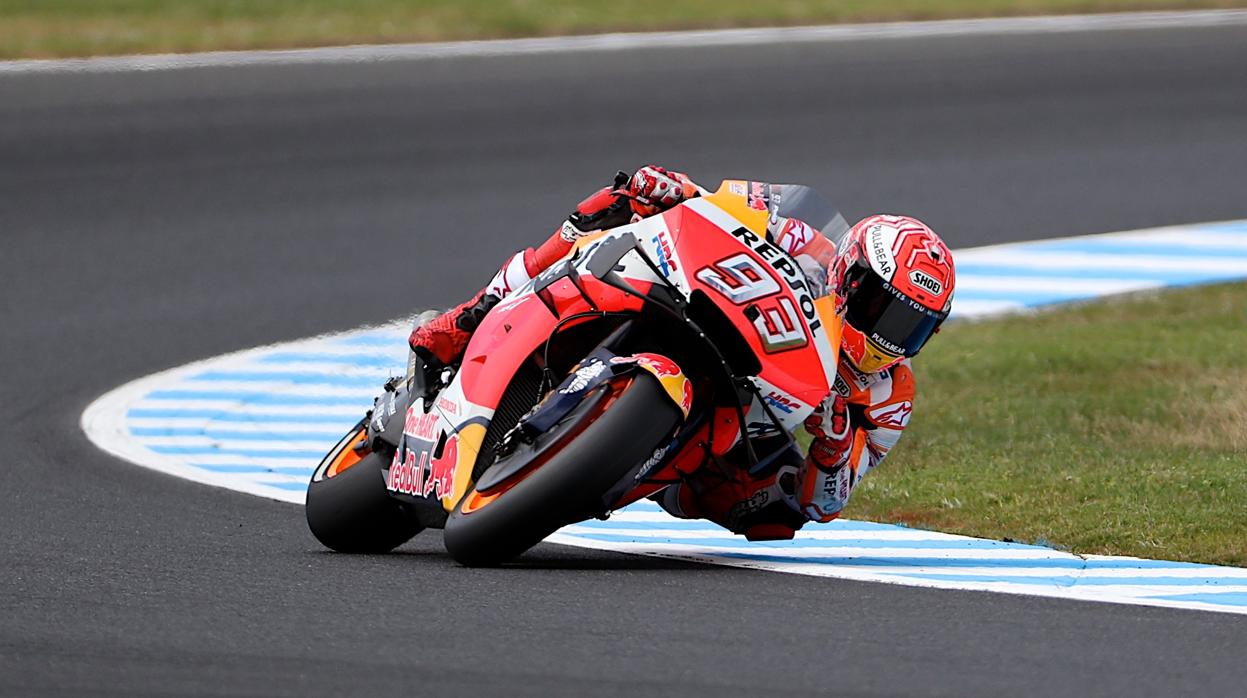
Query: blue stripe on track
[389, 363]
[738, 542]
[243, 469]
[260, 398]
[244, 452]
[699, 524]
[1161, 249]
[1224, 598]
[1071, 580]
[681, 524]
[371, 339]
[644, 505]
[227, 435]
[1028, 296]
[1227, 227]
[346, 421]
[1177, 275]
[301, 377]
[292, 486]
[866, 561]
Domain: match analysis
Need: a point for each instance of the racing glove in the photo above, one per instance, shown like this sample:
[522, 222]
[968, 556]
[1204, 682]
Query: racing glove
[648, 191]
[826, 479]
[655, 189]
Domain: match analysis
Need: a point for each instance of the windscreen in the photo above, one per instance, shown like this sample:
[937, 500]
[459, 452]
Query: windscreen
[802, 202]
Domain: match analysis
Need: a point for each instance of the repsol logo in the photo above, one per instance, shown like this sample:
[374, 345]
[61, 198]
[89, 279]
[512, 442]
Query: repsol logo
[924, 280]
[782, 263]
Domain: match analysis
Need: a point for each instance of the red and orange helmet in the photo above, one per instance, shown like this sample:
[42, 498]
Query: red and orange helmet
[893, 280]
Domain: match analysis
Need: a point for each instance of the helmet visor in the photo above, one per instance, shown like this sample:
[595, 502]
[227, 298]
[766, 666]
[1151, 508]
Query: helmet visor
[884, 315]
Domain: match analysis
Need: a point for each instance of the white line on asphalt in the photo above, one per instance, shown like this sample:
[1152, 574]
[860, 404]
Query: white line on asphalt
[629, 41]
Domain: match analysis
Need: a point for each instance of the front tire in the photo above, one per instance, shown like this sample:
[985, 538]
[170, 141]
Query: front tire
[570, 485]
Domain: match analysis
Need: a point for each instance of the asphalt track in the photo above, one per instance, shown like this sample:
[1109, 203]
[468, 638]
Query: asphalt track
[150, 219]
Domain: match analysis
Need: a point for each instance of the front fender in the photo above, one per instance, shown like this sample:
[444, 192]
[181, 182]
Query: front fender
[579, 392]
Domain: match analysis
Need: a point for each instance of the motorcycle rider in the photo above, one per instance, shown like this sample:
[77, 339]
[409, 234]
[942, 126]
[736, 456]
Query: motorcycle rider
[893, 280]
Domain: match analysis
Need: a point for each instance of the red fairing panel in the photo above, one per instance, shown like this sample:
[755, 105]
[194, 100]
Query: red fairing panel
[513, 330]
[762, 290]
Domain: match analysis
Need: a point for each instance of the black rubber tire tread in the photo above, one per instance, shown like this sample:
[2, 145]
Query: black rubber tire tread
[352, 512]
[568, 487]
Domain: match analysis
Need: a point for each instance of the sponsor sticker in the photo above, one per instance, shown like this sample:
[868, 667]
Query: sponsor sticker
[662, 253]
[923, 280]
[583, 376]
[896, 415]
[745, 507]
[894, 348]
[881, 250]
[673, 380]
[421, 476]
[653, 460]
[419, 425]
[781, 402]
[759, 195]
[841, 386]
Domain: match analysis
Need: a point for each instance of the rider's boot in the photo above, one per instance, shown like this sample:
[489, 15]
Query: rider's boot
[759, 507]
[441, 340]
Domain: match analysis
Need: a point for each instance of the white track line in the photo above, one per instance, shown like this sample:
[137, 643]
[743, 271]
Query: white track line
[630, 41]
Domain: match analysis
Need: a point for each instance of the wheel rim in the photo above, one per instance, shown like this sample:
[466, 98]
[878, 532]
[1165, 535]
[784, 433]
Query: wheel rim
[475, 501]
[347, 455]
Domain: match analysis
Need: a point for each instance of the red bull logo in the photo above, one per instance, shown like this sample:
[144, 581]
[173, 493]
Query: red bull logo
[419, 475]
[668, 374]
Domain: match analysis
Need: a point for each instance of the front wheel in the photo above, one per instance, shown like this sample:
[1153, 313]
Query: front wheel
[607, 444]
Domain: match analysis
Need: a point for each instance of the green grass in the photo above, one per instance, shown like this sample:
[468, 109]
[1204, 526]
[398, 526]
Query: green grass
[52, 28]
[1116, 427]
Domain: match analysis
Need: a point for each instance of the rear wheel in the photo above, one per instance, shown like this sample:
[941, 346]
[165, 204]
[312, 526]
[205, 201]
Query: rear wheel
[348, 507]
[603, 447]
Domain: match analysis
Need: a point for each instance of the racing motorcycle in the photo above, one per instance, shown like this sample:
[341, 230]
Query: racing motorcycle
[649, 352]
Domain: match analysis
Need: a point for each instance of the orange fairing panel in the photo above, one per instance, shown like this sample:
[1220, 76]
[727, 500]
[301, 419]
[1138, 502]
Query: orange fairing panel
[470, 438]
[833, 324]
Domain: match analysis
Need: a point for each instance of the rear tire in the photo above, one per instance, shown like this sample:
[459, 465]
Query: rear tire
[352, 512]
[570, 485]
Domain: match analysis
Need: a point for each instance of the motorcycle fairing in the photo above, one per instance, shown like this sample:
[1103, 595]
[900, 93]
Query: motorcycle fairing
[437, 454]
[800, 375]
